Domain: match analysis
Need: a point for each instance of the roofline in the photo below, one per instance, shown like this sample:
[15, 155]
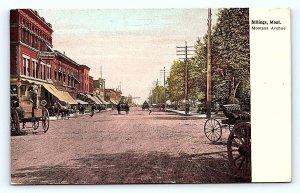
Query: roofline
[40, 18]
[84, 66]
[65, 57]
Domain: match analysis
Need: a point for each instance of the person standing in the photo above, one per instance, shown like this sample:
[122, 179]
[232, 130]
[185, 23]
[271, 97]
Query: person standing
[93, 110]
[34, 89]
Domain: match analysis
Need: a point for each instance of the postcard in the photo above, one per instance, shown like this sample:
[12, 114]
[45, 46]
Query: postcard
[150, 96]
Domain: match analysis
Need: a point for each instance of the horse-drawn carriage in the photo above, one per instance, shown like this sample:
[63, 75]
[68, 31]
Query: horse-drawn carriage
[123, 106]
[145, 106]
[28, 108]
[239, 140]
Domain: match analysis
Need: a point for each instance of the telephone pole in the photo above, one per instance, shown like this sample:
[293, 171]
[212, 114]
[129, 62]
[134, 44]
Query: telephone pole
[185, 51]
[209, 97]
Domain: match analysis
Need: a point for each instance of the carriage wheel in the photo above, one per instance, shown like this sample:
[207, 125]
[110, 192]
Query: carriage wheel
[15, 122]
[239, 150]
[45, 121]
[213, 130]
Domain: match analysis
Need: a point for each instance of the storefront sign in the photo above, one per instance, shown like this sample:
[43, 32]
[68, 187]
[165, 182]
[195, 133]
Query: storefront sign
[46, 55]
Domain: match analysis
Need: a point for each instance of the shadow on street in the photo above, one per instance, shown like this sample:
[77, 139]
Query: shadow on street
[130, 167]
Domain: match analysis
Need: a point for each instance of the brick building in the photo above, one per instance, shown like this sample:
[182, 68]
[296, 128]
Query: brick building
[84, 78]
[33, 59]
[113, 96]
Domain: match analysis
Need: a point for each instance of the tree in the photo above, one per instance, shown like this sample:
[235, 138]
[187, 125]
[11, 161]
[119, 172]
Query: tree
[175, 81]
[157, 95]
[231, 55]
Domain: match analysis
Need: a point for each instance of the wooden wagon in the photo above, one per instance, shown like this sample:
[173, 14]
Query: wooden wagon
[23, 111]
[239, 140]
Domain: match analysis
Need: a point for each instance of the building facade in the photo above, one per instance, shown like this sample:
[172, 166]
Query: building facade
[84, 78]
[112, 95]
[33, 59]
[99, 87]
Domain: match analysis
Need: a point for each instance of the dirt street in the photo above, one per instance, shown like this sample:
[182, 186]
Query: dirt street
[109, 148]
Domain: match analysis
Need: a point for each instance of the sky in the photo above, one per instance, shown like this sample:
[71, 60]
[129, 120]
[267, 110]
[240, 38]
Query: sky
[131, 45]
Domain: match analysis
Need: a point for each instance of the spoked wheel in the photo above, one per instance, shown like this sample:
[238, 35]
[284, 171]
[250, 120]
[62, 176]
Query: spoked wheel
[15, 122]
[239, 150]
[213, 130]
[45, 120]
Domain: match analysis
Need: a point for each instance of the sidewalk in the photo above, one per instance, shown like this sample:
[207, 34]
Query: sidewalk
[54, 118]
[191, 113]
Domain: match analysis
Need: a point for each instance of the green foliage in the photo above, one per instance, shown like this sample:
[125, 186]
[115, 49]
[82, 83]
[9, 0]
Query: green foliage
[175, 81]
[231, 51]
[230, 62]
[157, 95]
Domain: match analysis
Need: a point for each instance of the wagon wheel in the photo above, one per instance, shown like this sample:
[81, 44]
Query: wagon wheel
[15, 122]
[239, 150]
[45, 120]
[213, 130]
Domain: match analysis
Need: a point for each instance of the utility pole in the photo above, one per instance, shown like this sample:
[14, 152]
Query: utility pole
[209, 97]
[184, 51]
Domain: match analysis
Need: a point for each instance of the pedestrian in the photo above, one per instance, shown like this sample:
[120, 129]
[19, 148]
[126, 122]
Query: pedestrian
[34, 89]
[93, 110]
[150, 111]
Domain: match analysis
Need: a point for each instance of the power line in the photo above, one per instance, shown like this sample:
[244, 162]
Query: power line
[184, 51]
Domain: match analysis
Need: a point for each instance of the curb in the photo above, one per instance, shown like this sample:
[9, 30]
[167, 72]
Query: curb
[201, 116]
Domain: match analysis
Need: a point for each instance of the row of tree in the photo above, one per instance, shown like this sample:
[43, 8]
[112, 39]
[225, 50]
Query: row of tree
[230, 64]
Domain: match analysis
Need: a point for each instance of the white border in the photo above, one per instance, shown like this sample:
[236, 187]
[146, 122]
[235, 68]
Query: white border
[4, 78]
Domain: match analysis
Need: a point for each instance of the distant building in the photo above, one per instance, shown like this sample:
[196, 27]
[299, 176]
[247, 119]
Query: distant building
[112, 95]
[91, 87]
[84, 78]
[99, 87]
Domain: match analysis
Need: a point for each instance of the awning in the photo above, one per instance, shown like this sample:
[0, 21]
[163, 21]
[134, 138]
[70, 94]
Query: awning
[113, 101]
[103, 101]
[60, 95]
[68, 98]
[92, 99]
[99, 101]
[54, 92]
[81, 102]
[81, 96]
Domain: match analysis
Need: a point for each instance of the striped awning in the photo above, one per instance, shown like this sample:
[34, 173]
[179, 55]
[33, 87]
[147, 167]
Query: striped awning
[93, 99]
[97, 99]
[112, 101]
[103, 101]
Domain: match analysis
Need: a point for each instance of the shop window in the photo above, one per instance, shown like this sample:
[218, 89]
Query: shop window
[25, 66]
[49, 72]
[43, 71]
[55, 74]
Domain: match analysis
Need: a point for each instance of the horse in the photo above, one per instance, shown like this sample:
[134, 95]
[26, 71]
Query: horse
[61, 110]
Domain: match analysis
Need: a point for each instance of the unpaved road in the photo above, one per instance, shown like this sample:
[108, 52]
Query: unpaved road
[109, 148]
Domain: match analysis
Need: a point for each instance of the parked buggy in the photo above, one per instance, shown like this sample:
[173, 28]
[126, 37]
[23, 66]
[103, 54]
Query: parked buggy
[239, 140]
[25, 110]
